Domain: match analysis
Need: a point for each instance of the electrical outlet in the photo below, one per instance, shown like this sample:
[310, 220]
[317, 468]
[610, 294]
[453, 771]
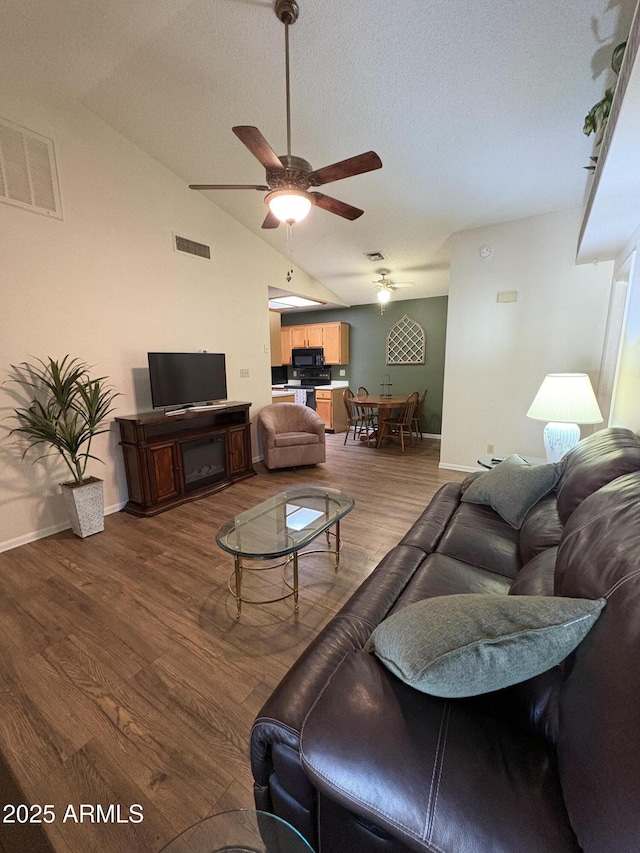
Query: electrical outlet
[490, 448]
[266, 347]
[343, 373]
[244, 373]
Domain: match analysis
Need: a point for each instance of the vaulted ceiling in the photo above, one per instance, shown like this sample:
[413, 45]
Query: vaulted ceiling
[476, 109]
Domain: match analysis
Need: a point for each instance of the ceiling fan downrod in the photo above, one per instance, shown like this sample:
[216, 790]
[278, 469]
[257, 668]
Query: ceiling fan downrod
[287, 12]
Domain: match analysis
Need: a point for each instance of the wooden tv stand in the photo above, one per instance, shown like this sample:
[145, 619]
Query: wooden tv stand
[171, 459]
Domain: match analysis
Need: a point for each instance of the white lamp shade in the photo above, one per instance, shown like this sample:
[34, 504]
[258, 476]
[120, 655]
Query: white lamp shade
[566, 398]
[384, 295]
[289, 205]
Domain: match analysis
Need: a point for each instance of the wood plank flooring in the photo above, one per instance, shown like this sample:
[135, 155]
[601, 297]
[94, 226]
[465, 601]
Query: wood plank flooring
[125, 677]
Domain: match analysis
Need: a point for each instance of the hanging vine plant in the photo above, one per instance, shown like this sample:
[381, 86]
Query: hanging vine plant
[596, 119]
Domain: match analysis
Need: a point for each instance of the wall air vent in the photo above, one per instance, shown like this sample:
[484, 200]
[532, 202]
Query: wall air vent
[192, 248]
[28, 175]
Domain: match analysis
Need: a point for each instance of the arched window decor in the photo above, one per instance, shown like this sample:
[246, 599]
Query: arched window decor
[406, 342]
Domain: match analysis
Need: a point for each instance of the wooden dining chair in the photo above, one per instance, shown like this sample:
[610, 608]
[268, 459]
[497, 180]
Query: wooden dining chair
[353, 415]
[400, 426]
[416, 423]
[369, 416]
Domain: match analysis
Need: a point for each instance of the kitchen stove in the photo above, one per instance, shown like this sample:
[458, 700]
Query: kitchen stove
[314, 376]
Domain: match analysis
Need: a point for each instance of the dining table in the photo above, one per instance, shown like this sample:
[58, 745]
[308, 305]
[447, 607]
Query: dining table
[383, 404]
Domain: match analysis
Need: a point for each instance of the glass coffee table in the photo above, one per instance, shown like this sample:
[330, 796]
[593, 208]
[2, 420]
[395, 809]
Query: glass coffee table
[280, 527]
[239, 831]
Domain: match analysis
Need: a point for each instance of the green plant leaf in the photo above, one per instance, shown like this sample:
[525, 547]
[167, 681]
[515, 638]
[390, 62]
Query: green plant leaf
[618, 56]
[67, 410]
[596, 119]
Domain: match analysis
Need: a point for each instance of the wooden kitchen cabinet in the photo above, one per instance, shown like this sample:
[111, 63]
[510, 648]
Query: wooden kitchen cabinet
[333, 337]
[298, 336]
[324, 407]
[335, 340]
[330, 406]
[306, 336]
[286, 344]
[275, 339]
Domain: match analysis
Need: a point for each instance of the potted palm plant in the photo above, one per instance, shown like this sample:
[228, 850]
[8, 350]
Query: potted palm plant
[66, 411]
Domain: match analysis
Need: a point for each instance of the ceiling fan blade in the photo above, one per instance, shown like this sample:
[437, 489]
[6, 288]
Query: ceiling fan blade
[261, 187]
[334, 206]
[345, 169]
[259, 147]
[271, 220]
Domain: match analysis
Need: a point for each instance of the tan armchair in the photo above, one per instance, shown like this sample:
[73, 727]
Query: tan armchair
[291, 435]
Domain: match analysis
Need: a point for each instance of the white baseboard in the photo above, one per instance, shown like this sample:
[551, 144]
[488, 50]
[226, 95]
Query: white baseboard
[449, 466]
[48, 531]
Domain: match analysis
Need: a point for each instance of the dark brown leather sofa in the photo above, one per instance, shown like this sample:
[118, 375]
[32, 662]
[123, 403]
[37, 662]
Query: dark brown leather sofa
[358, 761]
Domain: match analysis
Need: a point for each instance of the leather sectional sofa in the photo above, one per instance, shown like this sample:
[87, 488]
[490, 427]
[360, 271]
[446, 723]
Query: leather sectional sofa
[359, 761]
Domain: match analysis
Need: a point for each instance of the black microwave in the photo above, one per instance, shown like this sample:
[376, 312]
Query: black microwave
[307, 357]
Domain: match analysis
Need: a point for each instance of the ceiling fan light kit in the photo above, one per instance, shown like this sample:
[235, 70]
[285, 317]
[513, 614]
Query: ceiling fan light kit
[384, 295]
[289, 178]
[386, 288]
[289, 206]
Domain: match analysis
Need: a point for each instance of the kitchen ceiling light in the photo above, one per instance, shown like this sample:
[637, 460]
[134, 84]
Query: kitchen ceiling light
[293, 302]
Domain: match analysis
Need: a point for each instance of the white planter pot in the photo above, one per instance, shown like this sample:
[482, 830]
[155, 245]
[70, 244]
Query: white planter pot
[85, 506]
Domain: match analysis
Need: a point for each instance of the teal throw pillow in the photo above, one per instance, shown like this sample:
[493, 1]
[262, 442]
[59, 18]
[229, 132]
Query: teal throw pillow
[513, 487]
[464, 645]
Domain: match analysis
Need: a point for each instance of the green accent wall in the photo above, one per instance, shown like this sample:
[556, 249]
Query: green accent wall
[368, 346]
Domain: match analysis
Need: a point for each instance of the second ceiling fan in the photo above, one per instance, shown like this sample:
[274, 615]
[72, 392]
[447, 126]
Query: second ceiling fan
[289, 178]
[386, 288]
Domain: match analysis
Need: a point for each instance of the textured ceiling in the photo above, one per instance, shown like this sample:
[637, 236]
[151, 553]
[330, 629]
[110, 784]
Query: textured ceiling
[475, 109]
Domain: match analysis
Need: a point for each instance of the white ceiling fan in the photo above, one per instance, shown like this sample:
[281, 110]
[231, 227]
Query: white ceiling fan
[386, 287]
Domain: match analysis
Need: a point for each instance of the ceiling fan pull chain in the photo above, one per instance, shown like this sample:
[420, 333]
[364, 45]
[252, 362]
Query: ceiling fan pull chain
[289, 251]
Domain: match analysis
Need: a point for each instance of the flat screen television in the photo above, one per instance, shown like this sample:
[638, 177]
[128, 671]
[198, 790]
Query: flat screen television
[186, 378]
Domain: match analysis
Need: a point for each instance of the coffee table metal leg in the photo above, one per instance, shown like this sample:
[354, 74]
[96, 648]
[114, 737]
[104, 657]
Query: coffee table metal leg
[337, 544]
[295, 581]
[237, 565]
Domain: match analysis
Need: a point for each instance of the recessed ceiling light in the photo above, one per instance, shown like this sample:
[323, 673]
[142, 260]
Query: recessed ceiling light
[283, 302]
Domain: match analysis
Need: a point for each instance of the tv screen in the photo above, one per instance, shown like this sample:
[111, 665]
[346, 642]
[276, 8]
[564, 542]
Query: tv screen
[186, 378]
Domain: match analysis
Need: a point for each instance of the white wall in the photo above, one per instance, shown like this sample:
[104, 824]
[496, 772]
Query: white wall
[497, 354]
[625, 410]
[105, 285]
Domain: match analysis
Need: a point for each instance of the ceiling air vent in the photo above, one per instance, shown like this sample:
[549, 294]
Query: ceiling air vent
[28, 176]
[374, 256]
[183, 244]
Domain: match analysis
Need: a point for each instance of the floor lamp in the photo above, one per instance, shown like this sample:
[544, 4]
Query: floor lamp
[565, 400]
